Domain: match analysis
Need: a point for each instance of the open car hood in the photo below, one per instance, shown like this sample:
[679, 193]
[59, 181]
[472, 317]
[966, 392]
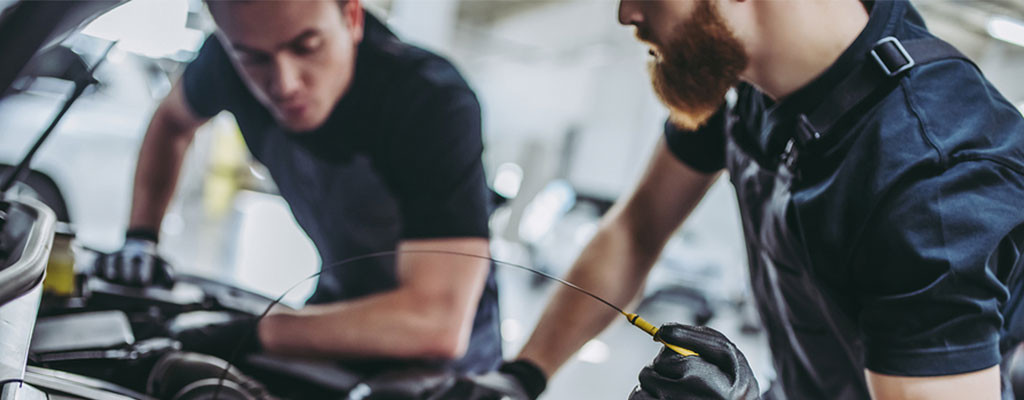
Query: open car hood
[29, 26]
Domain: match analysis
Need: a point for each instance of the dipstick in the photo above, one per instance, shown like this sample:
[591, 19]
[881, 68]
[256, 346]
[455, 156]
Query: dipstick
[653, 331]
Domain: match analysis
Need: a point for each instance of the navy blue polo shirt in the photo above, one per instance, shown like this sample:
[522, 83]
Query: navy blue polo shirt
[909, 213]
[398, 158]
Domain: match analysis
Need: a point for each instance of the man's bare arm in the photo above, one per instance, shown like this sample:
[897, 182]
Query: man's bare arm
[169, 134]
[984, 384]
[617, 260]
[430, 314]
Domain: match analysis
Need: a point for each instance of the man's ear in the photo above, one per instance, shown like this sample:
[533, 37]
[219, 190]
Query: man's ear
[352, 12]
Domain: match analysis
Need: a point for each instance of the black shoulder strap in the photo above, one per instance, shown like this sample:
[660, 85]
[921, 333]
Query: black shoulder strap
[888, 60]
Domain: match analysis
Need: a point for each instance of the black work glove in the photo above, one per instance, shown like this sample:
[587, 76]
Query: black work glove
[719, 372]
[517, 380]
[216, 333]
[137, 263]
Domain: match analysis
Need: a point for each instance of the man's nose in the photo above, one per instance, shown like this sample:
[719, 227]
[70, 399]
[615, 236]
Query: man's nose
[286, 79]
[629, 12]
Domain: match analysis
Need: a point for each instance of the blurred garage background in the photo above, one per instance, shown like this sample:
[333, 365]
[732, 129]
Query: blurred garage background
[569, 122]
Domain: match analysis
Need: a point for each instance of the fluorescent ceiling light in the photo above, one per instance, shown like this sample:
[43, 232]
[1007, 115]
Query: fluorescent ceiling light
[1006, 29]
[511, 330]
[594, 352]
[508, 179]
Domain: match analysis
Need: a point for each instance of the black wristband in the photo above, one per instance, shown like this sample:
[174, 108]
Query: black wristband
[528, 374]
[142, 233]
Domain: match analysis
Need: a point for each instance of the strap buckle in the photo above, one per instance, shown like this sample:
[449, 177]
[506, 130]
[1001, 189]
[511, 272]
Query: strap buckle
[805, 132]
[892, 68]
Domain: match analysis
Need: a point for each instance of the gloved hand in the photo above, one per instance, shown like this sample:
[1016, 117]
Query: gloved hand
[719, 372]
[517, 380]
[216, 333]
[136, 264]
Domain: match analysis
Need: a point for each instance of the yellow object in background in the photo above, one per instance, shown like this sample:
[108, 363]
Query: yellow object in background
[60, 270]
[228, 156]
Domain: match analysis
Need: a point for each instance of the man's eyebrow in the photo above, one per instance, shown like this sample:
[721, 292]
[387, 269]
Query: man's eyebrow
[306, 34]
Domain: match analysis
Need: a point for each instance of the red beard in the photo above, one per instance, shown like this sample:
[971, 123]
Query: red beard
[700, 63]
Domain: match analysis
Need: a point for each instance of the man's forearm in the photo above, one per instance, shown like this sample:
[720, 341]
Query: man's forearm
[612, 267]
[394, 324]
[156, 172]
[618, 259]
[429, 315]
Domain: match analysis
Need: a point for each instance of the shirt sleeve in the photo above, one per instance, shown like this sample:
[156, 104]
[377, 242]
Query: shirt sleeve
[932, 274]
[436, 168]
[208, 78]
[703, 149]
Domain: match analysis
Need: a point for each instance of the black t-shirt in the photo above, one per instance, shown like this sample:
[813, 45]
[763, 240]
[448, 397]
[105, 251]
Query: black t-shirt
[398, 158]
[908, 213]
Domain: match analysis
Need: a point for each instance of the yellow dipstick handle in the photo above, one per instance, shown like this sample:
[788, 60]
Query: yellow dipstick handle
[652, 330]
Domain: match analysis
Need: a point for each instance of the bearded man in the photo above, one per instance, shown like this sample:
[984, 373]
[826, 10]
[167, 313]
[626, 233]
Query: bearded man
[879, 178]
